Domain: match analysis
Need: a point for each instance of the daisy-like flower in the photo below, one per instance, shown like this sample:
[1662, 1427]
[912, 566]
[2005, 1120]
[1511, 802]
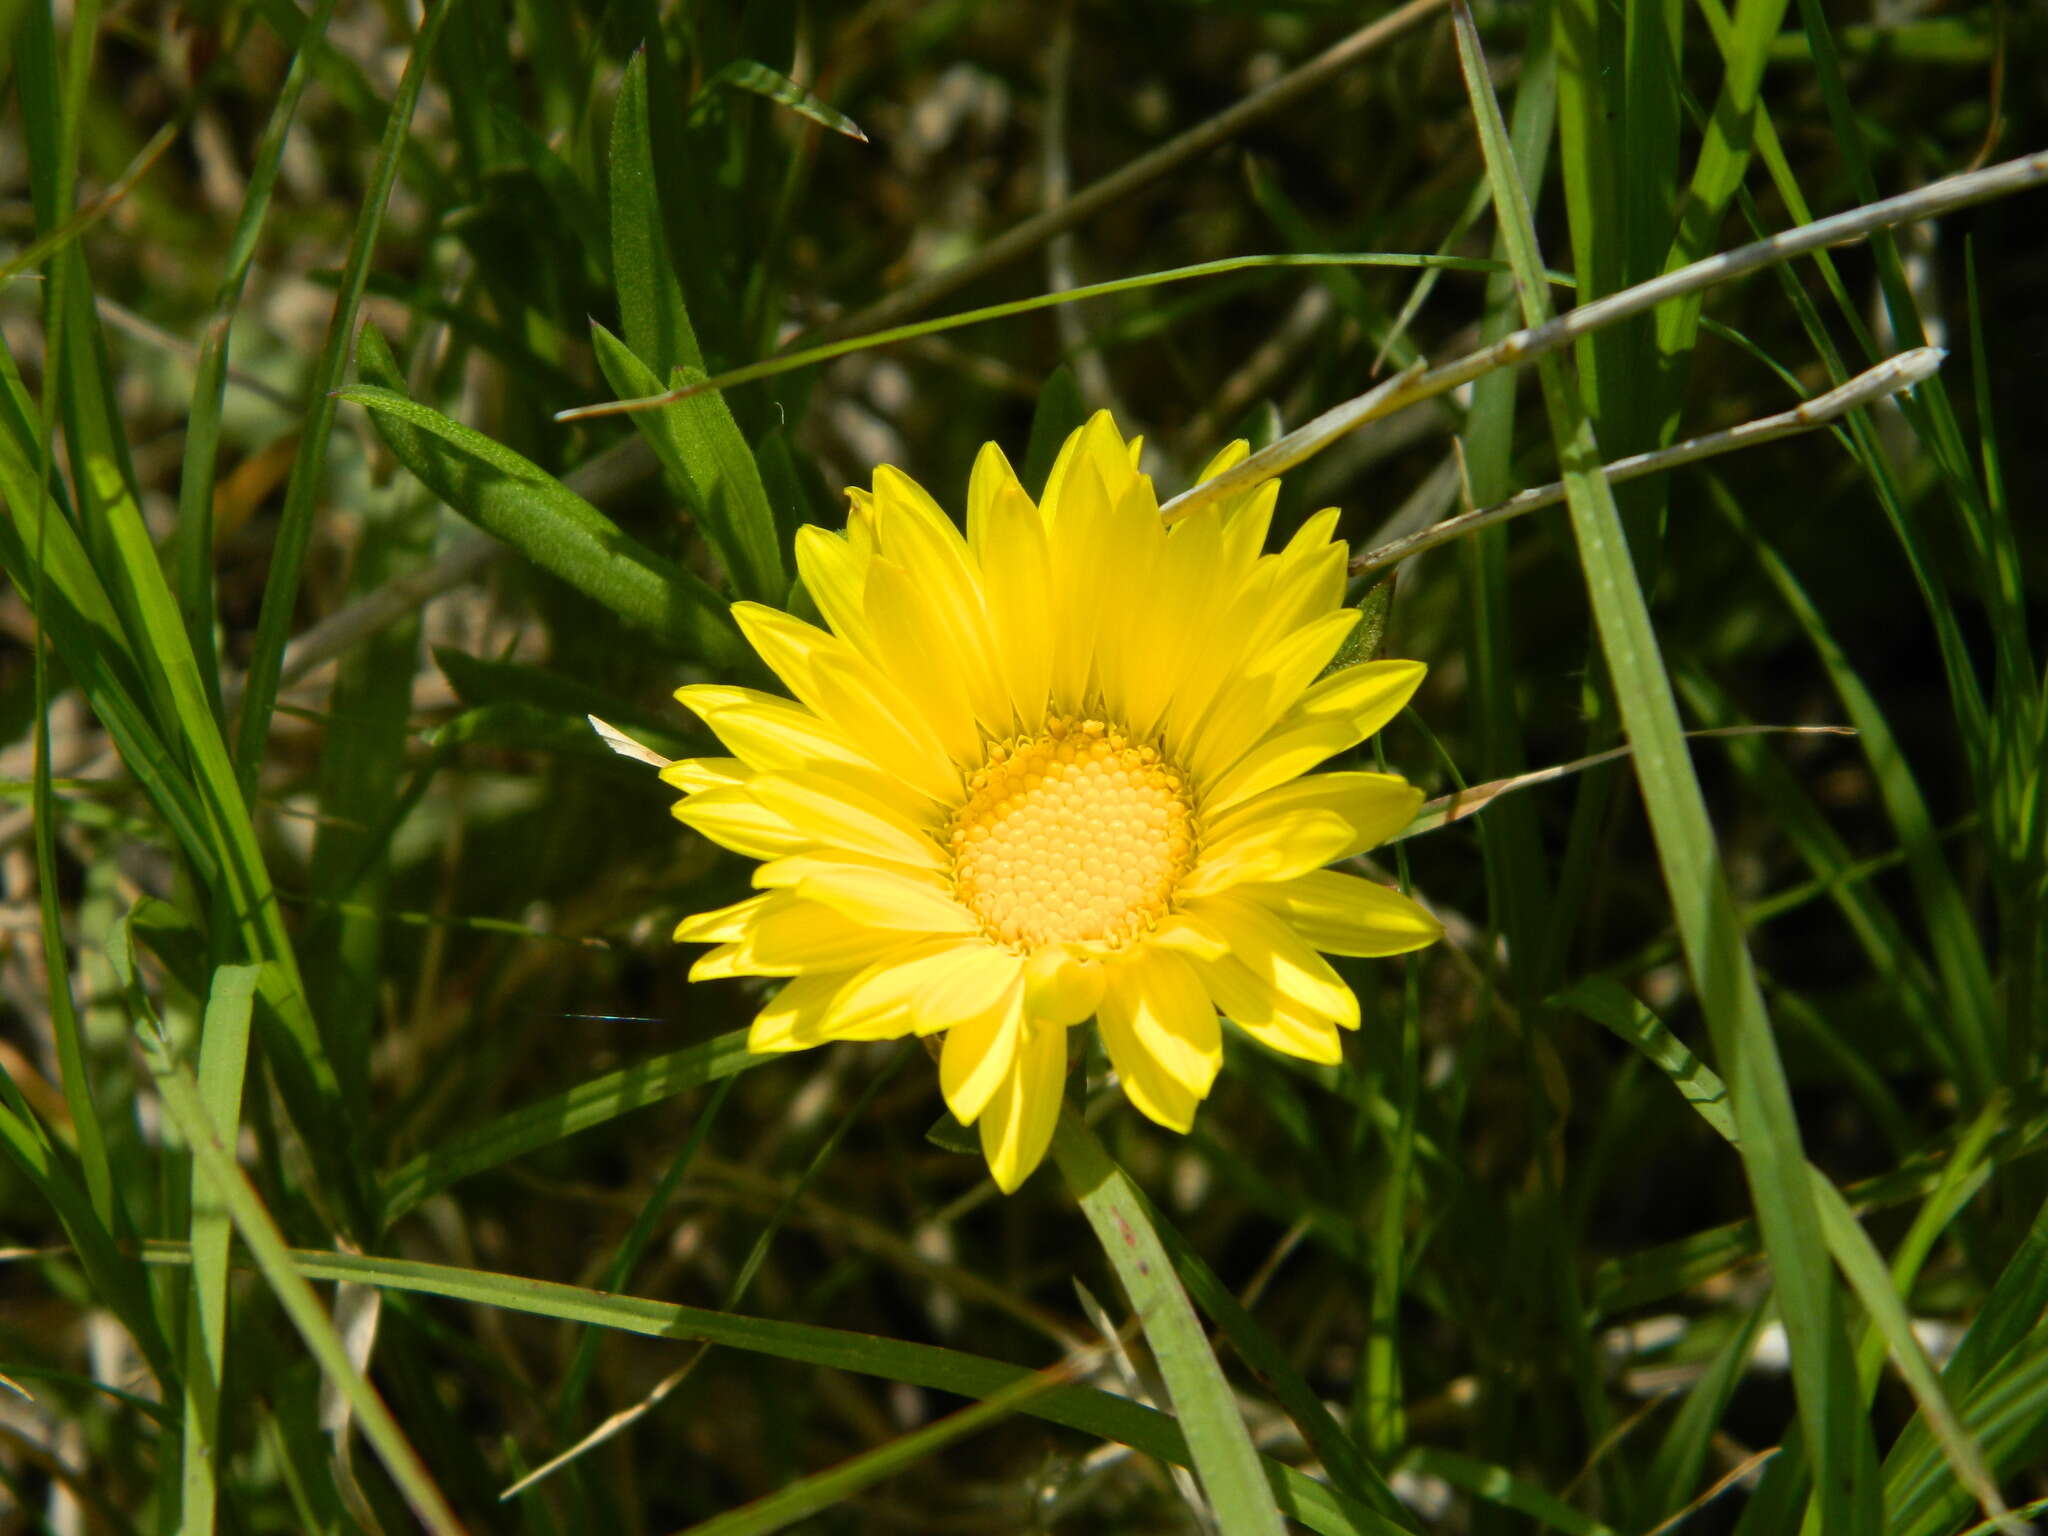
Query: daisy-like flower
[1054, 770]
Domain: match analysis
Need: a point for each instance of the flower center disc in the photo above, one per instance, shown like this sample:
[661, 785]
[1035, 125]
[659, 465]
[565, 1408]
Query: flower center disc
[1073, 835]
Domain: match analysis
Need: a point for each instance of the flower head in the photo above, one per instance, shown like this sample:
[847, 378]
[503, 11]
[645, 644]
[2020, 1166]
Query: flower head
[1056, 769]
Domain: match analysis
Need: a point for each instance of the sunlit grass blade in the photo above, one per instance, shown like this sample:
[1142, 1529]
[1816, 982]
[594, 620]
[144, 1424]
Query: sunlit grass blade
[223, 1059]
[181, 1099]
[1772, 1152]
[1202, 1398]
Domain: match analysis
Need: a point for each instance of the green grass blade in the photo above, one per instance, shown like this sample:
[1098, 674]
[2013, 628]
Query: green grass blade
[713, 469]
[1202, 1398]
[209, 388]
[704, 448]
[181, 1099]
[824, 1489]
[308, 477]
[1497, 1485]
[513, 499]
[547, 1121]
[1102, 1414]
[223, 1059]
[1708, 924]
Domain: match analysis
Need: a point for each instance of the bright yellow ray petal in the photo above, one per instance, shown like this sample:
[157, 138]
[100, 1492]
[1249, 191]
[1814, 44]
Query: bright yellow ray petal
[841, 685]
[1278, 957]
[693, 775]
[1063, 988]
[1017, 1125]
[1332, 716]
[733, 818]
[1344, 914]
[1247, 708]
[1162, 1035]
[974, 976]
[1299, 826]
[1017, 578]
[833, 815]
[921, 651]
[880, 1003]
[922, 540]
[1275, 1021]
[882, 899]
[771, 734]
[789, 937]
[835, 574]
[790, 1020]
[979, 1053]
[721, 926]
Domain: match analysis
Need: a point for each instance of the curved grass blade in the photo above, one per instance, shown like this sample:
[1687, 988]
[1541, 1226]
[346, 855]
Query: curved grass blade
[749, 75]
[512, 498]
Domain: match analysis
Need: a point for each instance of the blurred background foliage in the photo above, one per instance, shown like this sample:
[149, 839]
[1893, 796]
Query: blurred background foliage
[1495, 1241]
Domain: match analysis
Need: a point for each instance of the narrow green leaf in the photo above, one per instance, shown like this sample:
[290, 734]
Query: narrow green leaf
[181, 1099]
[1708, 925]
[651, 305]
[223, 1058]
[714, 470]
[550, 1120]
[1499, 1486]
[748, 75]
[512, 499]
[1202, 1398]
[209, 388]
[1101, 1414]
[307, 484]
[1607, 1002]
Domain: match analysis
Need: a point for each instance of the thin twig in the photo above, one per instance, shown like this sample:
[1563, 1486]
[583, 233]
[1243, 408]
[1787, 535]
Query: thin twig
[1887, 378]
[1553, 335]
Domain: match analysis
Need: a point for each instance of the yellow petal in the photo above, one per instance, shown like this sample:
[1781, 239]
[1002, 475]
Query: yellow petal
[882, 899]
[733, 818]
[979, 1053]
[918, 649]
[1010, 545]
[1332, 716]
[922, 540]
[851, 693]
[1273, 1020]
[789, 937]
[835, 574]
[722, 926]
[1162, 1035]
[833, 815]
[790, 1020]
[1278, 957]
[1344, 914]
[1063, 988]
[971, 978]
[880, 1003]
[692, 775]
[1275, 681]
[1301, 825]
[1017, 1125]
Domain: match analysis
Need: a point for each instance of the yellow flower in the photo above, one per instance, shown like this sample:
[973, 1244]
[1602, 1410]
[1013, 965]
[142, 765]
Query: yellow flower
[1055, 770]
